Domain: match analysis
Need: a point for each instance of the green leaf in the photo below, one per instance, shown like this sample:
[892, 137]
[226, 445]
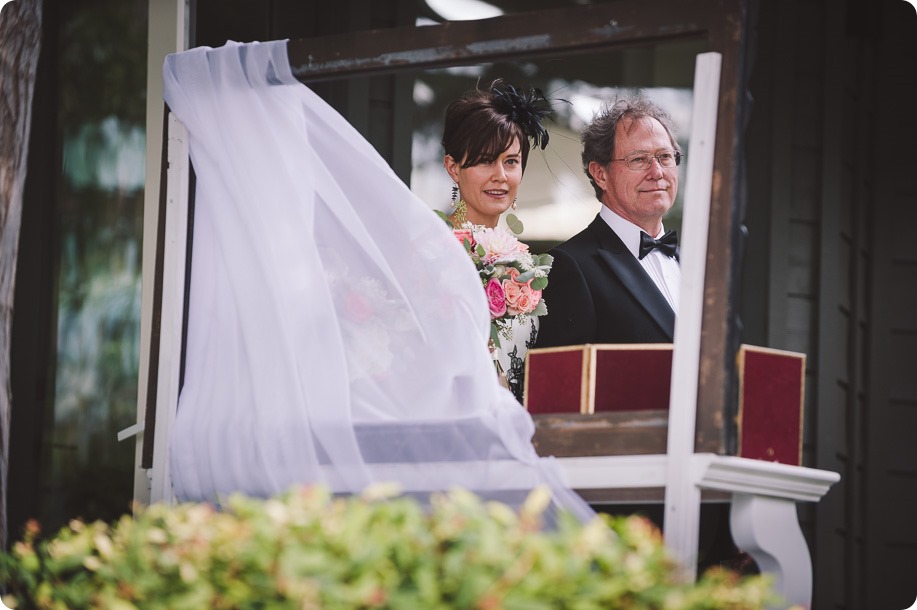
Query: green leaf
[540, 310]
[480, 250]
[306, 548]
[539, 283]
[522, 278]
[543, 260]
[445, 218]
[495, 334]
[514, 224]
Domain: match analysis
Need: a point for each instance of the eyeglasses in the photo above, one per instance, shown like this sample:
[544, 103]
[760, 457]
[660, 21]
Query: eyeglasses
[641, 161]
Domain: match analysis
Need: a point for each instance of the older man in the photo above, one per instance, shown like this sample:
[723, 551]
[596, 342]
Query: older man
[617, 281]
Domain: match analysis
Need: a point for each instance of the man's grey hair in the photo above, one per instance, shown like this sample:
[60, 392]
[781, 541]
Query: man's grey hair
[599, 137]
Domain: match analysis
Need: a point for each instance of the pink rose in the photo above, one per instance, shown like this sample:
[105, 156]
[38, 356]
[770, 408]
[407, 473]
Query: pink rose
[512, 290]
[535, 294]
[528, 299]
[496, 299]
[512, 272]
[524, 303]
[463, 234]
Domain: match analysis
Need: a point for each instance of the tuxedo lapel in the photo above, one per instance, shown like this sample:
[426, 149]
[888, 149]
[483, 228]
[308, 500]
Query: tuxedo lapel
[620, 262]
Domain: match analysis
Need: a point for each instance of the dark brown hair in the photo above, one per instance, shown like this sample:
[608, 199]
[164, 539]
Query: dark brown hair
[482, 124]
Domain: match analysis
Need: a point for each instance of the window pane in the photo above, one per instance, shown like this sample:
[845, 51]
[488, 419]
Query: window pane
[555, 199]
[101, 80]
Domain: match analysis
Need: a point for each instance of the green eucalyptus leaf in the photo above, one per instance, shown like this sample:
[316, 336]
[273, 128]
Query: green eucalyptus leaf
[543, 260]
[514, 224]
[445, 218]
[495, 334]
[522, 278]
[539, 283]
[540, 310]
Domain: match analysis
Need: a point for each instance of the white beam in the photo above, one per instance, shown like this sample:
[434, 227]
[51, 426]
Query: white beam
[167, 32]
[173, 304]
[682, 495]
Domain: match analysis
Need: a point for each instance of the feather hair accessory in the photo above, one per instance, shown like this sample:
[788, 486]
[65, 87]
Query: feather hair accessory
[526, 109]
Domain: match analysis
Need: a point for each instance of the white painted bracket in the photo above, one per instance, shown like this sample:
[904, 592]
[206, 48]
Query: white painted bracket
[763, 516]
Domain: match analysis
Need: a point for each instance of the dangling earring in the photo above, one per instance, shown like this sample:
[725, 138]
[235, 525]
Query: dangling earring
[514, 203]
[454, 194]
[458, 217]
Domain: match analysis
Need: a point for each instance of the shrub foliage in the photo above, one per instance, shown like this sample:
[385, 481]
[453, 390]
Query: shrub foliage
[307, 549]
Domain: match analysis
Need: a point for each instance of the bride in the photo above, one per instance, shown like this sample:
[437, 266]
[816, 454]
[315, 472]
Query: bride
[486, 141]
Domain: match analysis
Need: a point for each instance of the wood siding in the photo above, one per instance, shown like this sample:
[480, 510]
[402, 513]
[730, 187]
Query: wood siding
[889, 417]
[834, 90]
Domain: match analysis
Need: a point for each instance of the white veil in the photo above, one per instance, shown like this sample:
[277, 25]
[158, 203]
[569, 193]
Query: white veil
[336, 330]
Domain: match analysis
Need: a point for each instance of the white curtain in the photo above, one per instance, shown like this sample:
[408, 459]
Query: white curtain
[336, 330]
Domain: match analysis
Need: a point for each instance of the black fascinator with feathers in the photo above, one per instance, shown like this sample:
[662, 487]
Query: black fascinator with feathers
[525, 108]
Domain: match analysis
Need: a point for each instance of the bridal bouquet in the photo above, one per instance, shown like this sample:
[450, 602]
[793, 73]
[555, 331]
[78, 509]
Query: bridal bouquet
[513, 278]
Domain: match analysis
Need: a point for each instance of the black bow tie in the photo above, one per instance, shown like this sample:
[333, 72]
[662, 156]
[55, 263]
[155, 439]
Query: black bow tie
[667, 244]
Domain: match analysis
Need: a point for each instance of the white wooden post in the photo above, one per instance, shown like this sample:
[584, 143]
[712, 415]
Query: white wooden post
[173, 299]
[167, 32]
[682, 495]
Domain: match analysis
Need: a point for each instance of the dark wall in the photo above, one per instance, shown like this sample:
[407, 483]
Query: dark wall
[889, 414]
[216, 22]
[834, 88]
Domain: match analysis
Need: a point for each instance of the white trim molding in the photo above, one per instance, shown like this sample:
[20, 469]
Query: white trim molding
[760, 478]
[762, 517]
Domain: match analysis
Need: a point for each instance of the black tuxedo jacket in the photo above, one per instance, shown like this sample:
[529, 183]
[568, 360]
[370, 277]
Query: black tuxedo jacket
[599, 293]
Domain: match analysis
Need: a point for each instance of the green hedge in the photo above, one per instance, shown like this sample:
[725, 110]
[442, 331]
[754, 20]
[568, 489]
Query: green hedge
[308, 550]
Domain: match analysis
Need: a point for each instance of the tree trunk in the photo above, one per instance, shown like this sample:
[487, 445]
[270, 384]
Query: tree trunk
[20, 38]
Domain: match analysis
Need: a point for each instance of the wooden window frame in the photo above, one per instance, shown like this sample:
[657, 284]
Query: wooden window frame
[614, 25]
[609, 26]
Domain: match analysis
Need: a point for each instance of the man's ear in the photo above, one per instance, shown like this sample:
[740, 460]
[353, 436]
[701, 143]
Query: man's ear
[599, 174]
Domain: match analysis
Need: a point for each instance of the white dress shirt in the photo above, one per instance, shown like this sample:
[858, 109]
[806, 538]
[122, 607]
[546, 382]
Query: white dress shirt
[662, 269]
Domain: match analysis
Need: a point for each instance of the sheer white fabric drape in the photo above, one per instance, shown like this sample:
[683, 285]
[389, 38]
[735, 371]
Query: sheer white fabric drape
[336, 331]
